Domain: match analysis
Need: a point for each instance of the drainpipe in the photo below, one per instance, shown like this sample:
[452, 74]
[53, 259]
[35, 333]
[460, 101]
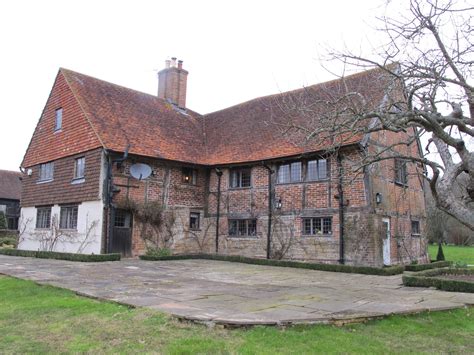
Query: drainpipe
[270, 209]
[219, 176]
[341, 209]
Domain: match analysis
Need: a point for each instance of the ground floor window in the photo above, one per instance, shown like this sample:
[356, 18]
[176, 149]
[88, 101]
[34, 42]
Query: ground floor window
[68, 217]
[317, 225]
[43, 217]
[242, 227]
[194, 220]
[415, 227]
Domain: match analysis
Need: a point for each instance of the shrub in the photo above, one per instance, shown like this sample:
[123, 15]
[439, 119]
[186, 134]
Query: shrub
[432, 265]
[440, 255]
[386, 271]
[3, 221]
[158, 252]
[8, 240]
[61, 256]
[428, 279]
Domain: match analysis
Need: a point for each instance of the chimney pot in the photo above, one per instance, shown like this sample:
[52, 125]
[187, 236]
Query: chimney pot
[167, 63]
[173, 62]
[180, 64]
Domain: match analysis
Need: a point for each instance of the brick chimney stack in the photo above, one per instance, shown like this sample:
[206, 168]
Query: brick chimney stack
[172, 82]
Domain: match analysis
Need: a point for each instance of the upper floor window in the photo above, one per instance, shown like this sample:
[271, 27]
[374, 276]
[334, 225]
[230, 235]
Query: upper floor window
[317, 170]
[240, 178]
[58, 123]
[79, 167]
[68, 217]
[46, 171]
[189, 176]
[317, 225]
[415, 227]
[289, 172]
[194, 220]
[242, 227]
[43, 217]
[401, 173]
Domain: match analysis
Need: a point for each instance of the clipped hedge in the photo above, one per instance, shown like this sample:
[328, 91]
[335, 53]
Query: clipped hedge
[61, 256]
[368, 270]
[428, 279]
[432, 265]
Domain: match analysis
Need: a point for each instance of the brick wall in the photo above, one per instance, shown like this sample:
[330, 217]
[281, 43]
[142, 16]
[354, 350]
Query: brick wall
[62, 188]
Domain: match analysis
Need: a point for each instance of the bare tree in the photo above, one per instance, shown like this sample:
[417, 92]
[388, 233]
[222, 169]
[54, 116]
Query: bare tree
[426, 70]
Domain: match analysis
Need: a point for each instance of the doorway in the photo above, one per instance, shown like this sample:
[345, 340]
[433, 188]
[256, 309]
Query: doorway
[386, 241]
[122, 233]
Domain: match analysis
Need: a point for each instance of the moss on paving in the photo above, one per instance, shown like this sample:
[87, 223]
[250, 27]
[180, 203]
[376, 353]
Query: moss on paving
[43, 319]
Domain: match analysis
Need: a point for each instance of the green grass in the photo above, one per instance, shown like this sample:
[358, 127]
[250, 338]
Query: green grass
[454, 253]
[43, 319]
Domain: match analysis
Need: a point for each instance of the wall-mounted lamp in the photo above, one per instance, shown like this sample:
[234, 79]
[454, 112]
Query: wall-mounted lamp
[378, 198]
[278, 204]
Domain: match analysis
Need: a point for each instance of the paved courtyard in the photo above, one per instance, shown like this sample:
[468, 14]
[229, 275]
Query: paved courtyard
[234, 293]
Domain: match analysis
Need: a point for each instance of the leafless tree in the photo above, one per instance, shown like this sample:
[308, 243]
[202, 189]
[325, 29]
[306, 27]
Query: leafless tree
[426, 69]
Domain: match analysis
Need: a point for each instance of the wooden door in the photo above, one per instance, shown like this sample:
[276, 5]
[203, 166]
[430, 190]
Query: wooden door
[122, 233]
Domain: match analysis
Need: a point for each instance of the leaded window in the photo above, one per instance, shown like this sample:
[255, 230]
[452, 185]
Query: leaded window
[240, 178]
[317, 170]
[46, 171]
[317, 226]
[68, 217]
[79, 167]
[242, 227]
[401, 173]
[289, 173]
[43, 217]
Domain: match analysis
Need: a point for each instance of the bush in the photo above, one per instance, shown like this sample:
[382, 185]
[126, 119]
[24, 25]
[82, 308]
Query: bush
[428, 279]
[12, 241]
[432, 265]
[3, 221]
[61, 256]
[158, 252]
[386, 271]
[440, 255]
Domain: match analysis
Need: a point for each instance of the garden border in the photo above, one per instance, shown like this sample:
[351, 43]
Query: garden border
[428, 278]
[61, 256]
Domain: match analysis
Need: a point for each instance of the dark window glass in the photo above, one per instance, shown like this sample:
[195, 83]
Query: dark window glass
[295, 171]
[401, 175]
[43, 217]
[289, 172]
[240, 178]
[46, 171]
[68, 217]
[189, 176]
[122, 219]
[58, 123]
[317, 225]
[415, 227]
[284, 174]
[79, 168]
[194, 218]
[242, 227]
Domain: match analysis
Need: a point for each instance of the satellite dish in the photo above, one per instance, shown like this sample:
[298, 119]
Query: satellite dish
[140, 171]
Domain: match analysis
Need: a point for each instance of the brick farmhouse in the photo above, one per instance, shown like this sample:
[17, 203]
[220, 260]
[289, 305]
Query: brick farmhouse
[110, 169]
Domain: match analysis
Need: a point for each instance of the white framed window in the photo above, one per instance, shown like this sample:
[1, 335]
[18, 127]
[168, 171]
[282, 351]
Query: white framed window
[79, 167]
[46, 171]
[68, 217]
[58, 122]
[43, 217]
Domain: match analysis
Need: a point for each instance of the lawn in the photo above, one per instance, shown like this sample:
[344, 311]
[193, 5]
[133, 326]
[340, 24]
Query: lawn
[454, 253]
[43, 319]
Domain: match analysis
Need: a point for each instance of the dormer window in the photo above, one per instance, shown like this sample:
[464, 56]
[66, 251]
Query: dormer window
[58, 123]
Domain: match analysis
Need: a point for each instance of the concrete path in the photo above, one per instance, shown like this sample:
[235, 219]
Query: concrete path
[234, 293]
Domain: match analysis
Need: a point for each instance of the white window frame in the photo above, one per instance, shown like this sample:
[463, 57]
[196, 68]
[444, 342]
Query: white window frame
[79, 168]
[46, 171]
[58, 121]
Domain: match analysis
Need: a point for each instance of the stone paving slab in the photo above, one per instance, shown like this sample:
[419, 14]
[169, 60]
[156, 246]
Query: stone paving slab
[234, 293]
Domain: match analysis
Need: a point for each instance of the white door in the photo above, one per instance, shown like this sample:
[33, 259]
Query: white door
[386, 241]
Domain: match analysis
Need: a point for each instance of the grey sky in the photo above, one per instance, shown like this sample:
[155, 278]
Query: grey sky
[234, 50]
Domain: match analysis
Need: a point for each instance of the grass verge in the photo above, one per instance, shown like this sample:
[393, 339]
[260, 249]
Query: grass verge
[43, 319]
[455, 253]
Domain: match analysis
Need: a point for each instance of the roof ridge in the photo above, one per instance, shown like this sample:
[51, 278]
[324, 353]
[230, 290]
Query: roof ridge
[332, 81]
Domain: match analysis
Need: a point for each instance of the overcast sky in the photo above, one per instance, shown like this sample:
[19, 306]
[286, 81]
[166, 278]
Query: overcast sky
[234, 50]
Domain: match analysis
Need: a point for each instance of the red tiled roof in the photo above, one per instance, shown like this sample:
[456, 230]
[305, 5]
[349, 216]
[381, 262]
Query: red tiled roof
[10, 185]
[243, 133]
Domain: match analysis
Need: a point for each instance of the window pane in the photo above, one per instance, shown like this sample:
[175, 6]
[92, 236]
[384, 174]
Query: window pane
[322, 169]
[316, 225]
[307, 226]
[284, 174]
[43, 217]
[296, 172]
[245, 178]
[232, 227]
[68, 217]
[415, 227]
[79, 168]
[59, 119]
[234, 179]
[252, 227]
[242, 227]
[189, 176]
[194, 220]
[46, 171]
[312, 173]
[327, 226]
